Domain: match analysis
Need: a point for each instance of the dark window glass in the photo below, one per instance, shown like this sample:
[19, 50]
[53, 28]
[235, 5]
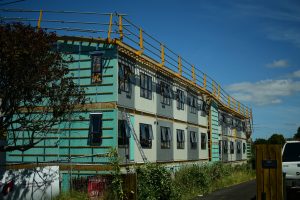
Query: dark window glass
[123, 133]
[96, 68]
[126, 76]
[146, 86]
[192, 102]
[166, 93]
[231, 147]
[165, 137]
[193, 139]
[203, 141]
[180, 99]
[291, 152]
[238, 147]
[180, 139]
[95, 132]
[146, 136]
[244, 148]
[225, 147]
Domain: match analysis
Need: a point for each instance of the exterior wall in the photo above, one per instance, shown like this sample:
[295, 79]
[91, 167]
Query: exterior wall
[71, 138]
[164, 154]
[203, 153]
[127, 99]
[180, 154]
[143, 104]
[215, 132]
[192, 117]
[193, 154]
[150, 153]
[163, 109]
[180, 114]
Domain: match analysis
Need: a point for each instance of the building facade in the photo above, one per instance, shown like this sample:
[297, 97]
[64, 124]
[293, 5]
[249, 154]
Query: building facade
[177, 119]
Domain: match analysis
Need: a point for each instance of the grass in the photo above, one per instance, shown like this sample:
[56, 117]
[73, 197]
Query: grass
[74, 195]
[233, 179]
[189, 182]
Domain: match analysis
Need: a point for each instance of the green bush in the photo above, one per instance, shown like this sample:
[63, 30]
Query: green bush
[155, 182]
[201, 179]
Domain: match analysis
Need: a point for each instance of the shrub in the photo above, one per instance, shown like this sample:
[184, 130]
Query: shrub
[155, 182]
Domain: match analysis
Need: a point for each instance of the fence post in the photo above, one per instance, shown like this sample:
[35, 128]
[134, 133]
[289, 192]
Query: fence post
[204, 81]
[40, 19]
[162, 55]
[179, 66]
[194, 74]
[109, 27]
[121, 28]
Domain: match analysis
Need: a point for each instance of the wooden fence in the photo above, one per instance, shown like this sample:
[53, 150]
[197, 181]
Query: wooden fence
[269, 179]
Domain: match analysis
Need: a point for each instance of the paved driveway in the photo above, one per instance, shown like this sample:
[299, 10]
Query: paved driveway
[243, 191]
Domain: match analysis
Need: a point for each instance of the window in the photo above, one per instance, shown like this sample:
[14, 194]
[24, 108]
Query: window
[166, 93]
[126, 75]
[165, 138]
[231, 147]
[291, 152]
[95, 130]
[146, 86]
[194, 139]
[180, 139]
[123, 133]
[203, 141]
[96, 67]
[225, 147]
[238, 147]
[202, 107]
[180, 99]
[146, 136]
[244, 148]
[192, 101]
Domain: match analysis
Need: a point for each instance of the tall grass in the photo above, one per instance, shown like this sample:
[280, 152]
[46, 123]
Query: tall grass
[155, 182]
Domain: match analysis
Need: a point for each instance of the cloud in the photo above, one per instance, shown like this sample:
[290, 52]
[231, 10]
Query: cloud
[296, 74]
[278, 64]
[264, 92]
[290, 35]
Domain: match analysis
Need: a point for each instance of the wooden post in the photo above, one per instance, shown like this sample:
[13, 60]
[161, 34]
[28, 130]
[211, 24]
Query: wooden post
[269, 181]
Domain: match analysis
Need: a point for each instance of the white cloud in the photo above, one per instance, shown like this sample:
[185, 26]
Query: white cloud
[296, 74]
[264, 92]
[278, 64]
[291, 35]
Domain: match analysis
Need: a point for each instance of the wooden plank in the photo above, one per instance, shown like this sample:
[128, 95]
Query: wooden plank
[273, 178]
[266, 173]
[279, 173]
[259, 172]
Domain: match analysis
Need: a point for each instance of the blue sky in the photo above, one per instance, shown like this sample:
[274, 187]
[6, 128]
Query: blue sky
[251, 47]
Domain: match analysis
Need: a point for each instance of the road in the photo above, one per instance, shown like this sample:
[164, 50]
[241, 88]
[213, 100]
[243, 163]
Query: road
[244, 191]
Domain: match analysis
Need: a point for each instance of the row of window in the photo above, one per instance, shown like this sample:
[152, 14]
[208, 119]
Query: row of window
[146, 136]
[226, 120]
[231, 150]
[126, 77]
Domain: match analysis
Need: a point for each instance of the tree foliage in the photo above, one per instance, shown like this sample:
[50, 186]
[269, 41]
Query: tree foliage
[276, 139]
[297, 135]
[36, 94]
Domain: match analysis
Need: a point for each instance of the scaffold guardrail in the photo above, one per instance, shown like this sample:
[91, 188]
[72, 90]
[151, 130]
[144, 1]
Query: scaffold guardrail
[114, 26]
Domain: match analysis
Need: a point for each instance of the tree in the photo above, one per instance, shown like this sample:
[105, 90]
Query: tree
[260, 141]
[297, 135]
[36, 95]
[276, 139]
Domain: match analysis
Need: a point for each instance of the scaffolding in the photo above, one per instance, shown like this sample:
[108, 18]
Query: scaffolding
[131, 39]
